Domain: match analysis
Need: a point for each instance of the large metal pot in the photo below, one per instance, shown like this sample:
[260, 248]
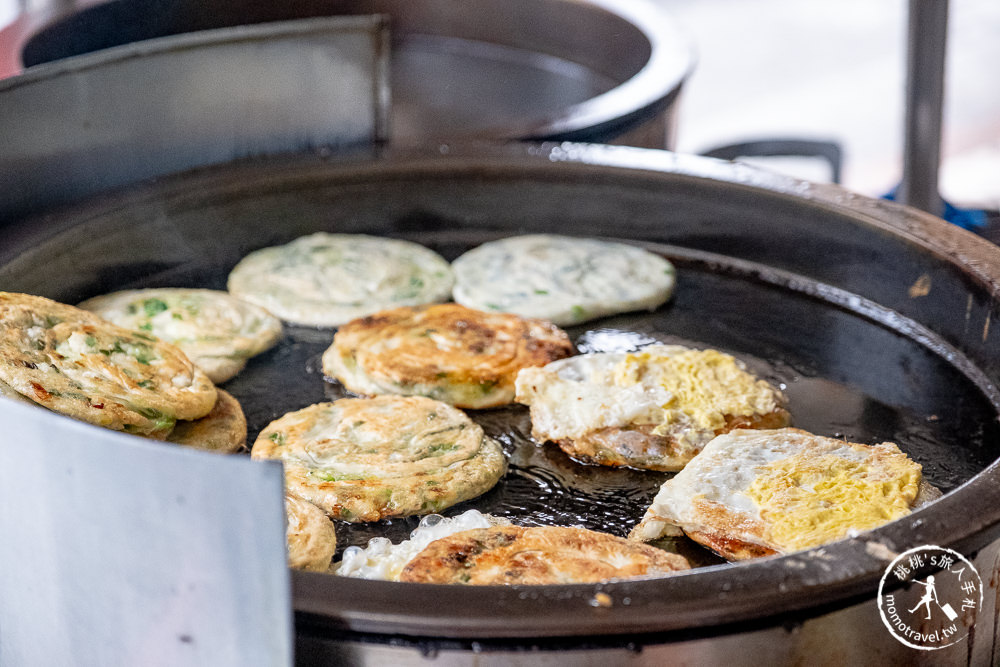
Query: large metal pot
[585, 70]
[877, 317]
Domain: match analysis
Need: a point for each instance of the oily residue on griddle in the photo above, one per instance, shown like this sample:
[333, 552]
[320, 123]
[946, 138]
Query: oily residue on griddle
[845, 376]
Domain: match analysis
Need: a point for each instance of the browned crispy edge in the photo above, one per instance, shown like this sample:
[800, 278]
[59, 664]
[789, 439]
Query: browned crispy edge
[459, 558]
[728, 547]
[603, 446]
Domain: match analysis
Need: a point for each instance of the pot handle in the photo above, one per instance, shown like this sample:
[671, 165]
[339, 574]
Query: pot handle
[827, 150]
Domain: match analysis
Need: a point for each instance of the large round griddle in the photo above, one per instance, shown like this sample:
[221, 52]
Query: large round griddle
[876, 321]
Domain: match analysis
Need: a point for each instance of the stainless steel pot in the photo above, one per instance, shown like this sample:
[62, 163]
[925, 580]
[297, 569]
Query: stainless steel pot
[586, 70]
[878, 318]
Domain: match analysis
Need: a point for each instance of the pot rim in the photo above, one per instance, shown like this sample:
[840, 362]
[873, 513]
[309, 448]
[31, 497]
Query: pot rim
[647, 92]
[791, 586]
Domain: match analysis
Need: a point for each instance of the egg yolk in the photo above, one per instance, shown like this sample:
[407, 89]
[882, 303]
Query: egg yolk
[704, 387]
[810, 500]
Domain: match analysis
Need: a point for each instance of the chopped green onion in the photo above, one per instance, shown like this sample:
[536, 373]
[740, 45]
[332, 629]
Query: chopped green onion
[154, 306]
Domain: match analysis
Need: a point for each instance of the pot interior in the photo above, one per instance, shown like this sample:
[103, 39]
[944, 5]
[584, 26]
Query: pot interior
[480, 68]
[814, 297]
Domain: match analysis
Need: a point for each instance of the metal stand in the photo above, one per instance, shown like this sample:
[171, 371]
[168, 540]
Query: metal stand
[926, 40]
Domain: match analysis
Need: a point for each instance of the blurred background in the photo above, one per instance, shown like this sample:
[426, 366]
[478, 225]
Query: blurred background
[834, 71]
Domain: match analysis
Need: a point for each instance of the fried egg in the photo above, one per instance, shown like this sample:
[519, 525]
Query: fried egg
[217, 331]
[562, 279]
[755, 493]
[326, 279]
[505, 555]
[448, 352]
[366, 459]
[654, 408]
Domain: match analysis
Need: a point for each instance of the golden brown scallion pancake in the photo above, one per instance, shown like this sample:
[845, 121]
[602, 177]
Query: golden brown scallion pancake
[6, 391]
[312, 539]
[366, 459]
[223, 430]
[381, 559]
[448, 352]
[73, 362]
[537, 555]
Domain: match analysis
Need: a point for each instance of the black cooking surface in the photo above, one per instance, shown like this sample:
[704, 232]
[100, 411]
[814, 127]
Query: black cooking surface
[845, 376]
[851, 368]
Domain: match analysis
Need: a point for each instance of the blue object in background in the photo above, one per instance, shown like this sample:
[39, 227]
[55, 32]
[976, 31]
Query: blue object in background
[966, 218]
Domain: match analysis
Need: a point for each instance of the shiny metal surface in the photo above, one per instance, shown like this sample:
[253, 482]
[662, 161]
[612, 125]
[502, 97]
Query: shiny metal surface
[80, 126]
[118, 551]
[592, 70]
[852, 635]
[926, 41]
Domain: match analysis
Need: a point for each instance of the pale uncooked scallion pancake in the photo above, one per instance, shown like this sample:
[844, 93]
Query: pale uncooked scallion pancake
[753, 493]
[654, 408]
[223, 430]
[217, 331]
[454, 354]
[72, 361]
[366, 459]
[562, 279]
[312, 539]
[329, 279]
[536, 555]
